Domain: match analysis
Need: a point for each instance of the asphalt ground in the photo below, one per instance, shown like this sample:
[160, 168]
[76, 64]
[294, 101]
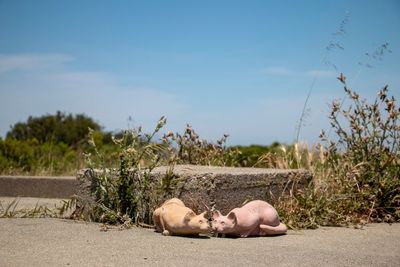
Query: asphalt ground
[58, 242]
[28, 203]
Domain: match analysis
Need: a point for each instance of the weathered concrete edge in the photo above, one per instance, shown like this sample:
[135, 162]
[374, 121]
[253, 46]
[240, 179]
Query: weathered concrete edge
[38, 186]
[207, 186]
[225, 188]
[206, 180]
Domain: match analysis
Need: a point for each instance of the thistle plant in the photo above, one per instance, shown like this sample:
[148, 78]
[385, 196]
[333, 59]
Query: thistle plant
[356, 173]
[190, 149]
[129, 192]
[366, 154]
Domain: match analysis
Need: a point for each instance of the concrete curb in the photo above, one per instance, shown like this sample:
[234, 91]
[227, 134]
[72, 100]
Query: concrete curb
[201, 187]
[38, 186]
[198, 186]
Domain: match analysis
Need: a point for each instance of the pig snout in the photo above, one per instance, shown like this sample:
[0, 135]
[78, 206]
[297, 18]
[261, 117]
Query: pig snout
[203, 226]
[204, 229]
[208, 226]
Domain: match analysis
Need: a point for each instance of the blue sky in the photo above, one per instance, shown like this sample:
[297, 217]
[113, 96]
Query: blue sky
[237, 67]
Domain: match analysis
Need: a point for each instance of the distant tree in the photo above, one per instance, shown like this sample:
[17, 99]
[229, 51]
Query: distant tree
[69, 129]
[249, 155]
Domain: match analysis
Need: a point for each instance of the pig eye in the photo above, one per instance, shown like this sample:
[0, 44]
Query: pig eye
[222, 223]
[200, 221]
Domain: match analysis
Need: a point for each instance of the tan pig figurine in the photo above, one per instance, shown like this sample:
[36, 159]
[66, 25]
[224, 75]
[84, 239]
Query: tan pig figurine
[174, 218]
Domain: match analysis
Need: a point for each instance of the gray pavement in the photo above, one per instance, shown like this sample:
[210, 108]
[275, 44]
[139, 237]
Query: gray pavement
[57, 242]
[28, 203]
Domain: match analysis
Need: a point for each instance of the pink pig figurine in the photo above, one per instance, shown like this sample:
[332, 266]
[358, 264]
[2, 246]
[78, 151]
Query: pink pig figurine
[256, 218]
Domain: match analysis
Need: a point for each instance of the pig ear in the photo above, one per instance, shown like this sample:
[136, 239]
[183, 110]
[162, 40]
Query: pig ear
[216, 214]
[232, 217]
[204, 214]
[188, 216]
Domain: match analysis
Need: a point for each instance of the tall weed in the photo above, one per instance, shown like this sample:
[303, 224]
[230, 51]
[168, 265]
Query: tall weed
[356, 173]
[129, 192]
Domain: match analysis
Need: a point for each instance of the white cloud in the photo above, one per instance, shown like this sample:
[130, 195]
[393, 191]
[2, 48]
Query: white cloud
[25, 62]
[97, 94]
[33, 85]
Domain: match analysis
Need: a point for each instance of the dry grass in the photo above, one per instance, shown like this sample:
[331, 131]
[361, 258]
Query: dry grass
[12, 210]
[356, 179]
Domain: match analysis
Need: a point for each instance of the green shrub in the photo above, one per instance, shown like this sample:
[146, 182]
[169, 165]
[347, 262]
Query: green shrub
[250, 155]
[51, 145]
[69, 129]
[30, 157]
[15, 154]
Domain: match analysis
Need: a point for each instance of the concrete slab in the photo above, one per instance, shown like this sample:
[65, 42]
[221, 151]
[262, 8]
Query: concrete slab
[207, 186]
[198, 186]
[226, 187]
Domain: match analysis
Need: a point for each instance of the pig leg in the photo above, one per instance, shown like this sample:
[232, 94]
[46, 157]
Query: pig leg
[166, 232]
[163, 230]
[251, 232]
[156, 220]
